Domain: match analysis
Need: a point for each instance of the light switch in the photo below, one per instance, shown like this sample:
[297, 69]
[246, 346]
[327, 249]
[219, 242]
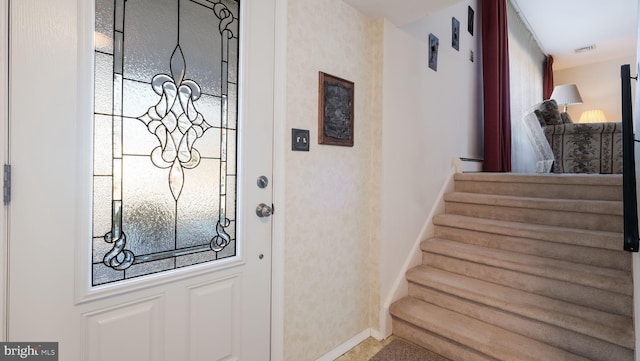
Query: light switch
[300, 139]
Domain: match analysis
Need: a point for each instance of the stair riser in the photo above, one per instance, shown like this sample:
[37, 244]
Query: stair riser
[542, 190]
[566, 291]
[572, 236]
[591, 221]
[476, 335]
[436, 343]
[573, 253]
[570, 340]
[608, 280]
[604, 325]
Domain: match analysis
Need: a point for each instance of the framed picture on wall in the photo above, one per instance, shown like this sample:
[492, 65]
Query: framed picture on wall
[335, 110]
[455, 33]
[434, 43]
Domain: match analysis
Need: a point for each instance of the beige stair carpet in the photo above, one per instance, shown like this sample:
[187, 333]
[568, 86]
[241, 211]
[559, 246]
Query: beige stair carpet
[523, 267]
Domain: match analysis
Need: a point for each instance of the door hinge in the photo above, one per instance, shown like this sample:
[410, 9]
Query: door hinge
[6, 188]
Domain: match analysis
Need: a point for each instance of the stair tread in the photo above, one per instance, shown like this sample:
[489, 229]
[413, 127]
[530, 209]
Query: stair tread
[576, 236]
[547, 178]
[561, 337]
[485, 338]
[567, 291]
[604, 278]
[607, 188]
[613, 328]
[556, 249]
[567, 205]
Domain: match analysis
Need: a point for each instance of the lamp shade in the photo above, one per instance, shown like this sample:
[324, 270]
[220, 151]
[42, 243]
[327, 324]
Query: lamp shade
[592, 116]
[566, 94]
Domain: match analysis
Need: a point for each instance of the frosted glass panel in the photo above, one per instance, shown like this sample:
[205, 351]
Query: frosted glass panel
[200, 193]
[101, 205]
[165, 129]
[103, 83]
[209, 106]
[102, 130]
[104, 26]
[136, 139]
[232, 106]
[206, 63]
[150, 34]
[148, 210]
[140, 96]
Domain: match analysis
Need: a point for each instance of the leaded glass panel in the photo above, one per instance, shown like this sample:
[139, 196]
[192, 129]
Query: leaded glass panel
[165, 128]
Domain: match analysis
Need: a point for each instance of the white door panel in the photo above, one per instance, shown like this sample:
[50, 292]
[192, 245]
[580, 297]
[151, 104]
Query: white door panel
[103, 331]
[217, 311]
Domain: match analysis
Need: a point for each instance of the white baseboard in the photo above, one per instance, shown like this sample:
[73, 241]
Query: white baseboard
[353, 342]
[378, 335]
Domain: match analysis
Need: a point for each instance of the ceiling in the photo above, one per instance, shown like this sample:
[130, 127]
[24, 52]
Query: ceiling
[610, 25]
[560, 26]
[400, 12]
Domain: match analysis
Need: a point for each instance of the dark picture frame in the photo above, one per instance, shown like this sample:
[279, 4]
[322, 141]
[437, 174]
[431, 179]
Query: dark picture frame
[455, 33]
[335, 110]
[434, 43]
[470, 18]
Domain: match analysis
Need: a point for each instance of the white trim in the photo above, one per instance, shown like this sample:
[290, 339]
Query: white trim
[85, 21]
[4, 145]
[279, 175]
[400, 286]
[378, 335]
[345, 347]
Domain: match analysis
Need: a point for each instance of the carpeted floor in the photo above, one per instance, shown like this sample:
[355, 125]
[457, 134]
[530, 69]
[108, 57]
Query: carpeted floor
[399, 350]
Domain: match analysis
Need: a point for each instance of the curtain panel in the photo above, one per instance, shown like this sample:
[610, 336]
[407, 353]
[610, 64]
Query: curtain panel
[495, 69]
[547, 78]
[526, 68]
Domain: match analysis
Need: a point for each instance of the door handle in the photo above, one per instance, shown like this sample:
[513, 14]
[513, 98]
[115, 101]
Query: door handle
[264, 210]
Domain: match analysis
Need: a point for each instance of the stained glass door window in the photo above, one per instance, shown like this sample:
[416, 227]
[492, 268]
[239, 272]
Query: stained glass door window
[165, 130]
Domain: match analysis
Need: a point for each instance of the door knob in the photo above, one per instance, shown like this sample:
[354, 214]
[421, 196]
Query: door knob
[264, 210]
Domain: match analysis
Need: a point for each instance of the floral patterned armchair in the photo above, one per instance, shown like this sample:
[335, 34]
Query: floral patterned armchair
[576, 147]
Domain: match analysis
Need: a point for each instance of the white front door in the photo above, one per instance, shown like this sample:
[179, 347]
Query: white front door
[140, 250]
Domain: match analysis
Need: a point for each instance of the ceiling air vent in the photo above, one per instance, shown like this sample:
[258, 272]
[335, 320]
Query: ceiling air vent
[585, 49]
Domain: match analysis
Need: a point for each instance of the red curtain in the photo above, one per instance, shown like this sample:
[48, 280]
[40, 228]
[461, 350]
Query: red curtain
[495, 70]
[547, 78]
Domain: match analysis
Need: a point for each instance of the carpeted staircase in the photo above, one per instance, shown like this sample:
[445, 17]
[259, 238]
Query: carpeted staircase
[524, 267]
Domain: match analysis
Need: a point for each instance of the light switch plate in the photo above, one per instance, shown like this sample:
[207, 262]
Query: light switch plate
[300, 139]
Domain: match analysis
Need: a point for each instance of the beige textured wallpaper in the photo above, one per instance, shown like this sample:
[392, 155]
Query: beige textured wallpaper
[333, 192]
